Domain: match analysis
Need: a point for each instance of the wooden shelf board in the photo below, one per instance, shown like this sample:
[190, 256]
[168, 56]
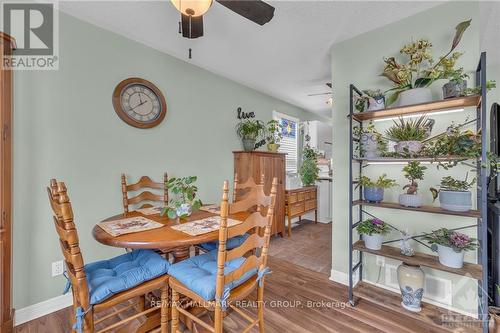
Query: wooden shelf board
[408, 159]
[435, 106]
[424, 209]
[431, 315]
[427, 260]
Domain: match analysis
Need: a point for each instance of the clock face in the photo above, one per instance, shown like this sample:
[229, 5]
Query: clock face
[139, 103]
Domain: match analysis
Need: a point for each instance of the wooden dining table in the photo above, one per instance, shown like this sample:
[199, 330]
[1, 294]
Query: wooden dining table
[166, 239]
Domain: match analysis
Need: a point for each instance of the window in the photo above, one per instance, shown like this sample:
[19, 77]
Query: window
[289, 143]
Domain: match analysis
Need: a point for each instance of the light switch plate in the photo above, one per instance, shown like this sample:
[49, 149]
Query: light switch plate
[57, 268]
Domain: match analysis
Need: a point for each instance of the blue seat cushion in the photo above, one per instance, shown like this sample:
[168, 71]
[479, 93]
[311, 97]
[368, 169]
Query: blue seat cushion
[109, 277]
[230, 244]
[199, 274]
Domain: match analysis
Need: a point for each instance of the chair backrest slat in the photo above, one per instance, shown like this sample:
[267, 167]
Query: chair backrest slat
[146, 196]
[68, 239]
[254, 197]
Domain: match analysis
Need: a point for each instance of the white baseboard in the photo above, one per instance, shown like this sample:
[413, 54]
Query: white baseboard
[42, 309]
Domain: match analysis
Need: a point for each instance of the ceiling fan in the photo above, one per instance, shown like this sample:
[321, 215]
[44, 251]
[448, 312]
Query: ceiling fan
[191, 24]
[330, 100]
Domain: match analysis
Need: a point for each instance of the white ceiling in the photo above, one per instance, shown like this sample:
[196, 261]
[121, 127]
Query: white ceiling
[287, 58]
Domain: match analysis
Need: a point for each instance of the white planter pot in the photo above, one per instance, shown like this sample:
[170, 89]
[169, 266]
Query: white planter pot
[456, 201]
[415, 96]
[373, 242]
[450, 258]
[413, 147]
[410, 200]
[369, 145]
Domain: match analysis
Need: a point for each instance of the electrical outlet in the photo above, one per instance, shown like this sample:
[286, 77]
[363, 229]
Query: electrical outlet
[380, 261]
[57, 268]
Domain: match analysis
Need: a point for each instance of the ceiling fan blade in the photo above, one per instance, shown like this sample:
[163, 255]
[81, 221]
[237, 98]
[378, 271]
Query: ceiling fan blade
[327, 93]
[254, 10]
[192, 27]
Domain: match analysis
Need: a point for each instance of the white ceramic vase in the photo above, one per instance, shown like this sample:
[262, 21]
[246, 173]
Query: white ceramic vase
[410, 200]
[450, 258]
[373, 242]
[411, 281]
[369, 145]
[415, 96]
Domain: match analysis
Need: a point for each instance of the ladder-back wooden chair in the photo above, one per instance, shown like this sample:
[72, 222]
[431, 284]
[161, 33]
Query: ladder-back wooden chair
[146, 196]
[104, 284]
[217, 279]
[239, 192]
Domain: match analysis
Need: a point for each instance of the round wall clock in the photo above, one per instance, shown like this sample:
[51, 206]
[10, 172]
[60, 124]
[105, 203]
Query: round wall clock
[139, 103]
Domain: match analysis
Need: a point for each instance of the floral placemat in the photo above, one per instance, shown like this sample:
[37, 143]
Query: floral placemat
[150, 210]
[203, 226]
[215, 209]
[129, 225]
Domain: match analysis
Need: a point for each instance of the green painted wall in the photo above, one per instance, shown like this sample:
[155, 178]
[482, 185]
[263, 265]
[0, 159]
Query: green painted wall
[65, 127]
[360, 61]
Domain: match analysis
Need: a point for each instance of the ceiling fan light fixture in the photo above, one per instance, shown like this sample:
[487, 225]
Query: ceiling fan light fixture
[192, 7]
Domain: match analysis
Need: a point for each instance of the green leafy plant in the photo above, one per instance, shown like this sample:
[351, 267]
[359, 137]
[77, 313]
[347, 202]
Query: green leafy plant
[373, 226]
[370, 129]
[413, 171]
[250, 129]
[490, 84]
[274, 132]
[449, 183]
[184, 192]
[410, 129]
[361, 102]
[381, 182]
[309, 169]
[454, 143]
[457, 241]
[420, 71]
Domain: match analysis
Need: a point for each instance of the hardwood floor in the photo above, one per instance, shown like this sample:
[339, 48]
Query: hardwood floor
[298, 300]
[310, 246]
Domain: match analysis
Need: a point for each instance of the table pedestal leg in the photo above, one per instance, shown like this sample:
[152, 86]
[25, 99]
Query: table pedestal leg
[180, 253]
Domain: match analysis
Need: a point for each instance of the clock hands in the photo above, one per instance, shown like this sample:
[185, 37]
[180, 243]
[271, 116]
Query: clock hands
[141, 103]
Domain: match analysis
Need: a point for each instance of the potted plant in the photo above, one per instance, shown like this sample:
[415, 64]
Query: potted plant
[373, 231]
[413, 171]
[309, 169]
[249, 130]
[409, 134]
[450, 246]
[184, 201]
[413, 78]
[457, 84]
[373, 191]
[274, 135]
[372, 143]
[454, 194]
[370, 100]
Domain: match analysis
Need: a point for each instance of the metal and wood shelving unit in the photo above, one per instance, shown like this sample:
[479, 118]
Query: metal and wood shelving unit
[478, 271]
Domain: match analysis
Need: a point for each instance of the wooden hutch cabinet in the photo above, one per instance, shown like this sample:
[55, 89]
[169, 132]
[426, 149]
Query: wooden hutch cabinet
[7, 44]
[256, 163]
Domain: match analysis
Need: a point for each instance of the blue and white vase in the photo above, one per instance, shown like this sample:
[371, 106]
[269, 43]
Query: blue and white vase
[411, 279]
[184, 210]
[373, 194]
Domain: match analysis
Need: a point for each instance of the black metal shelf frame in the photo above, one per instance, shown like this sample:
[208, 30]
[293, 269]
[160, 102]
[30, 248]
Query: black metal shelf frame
[481, 225]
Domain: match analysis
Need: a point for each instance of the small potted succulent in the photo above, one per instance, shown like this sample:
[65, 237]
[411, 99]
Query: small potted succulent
[274, 135]
[372, 143]
[451, 246]
[184, 201]
[373, 231]
[373, 191]
[413, 171]
[454, 194]
[371, 100]
[457, 84]
[249, 130]
[409, 134]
